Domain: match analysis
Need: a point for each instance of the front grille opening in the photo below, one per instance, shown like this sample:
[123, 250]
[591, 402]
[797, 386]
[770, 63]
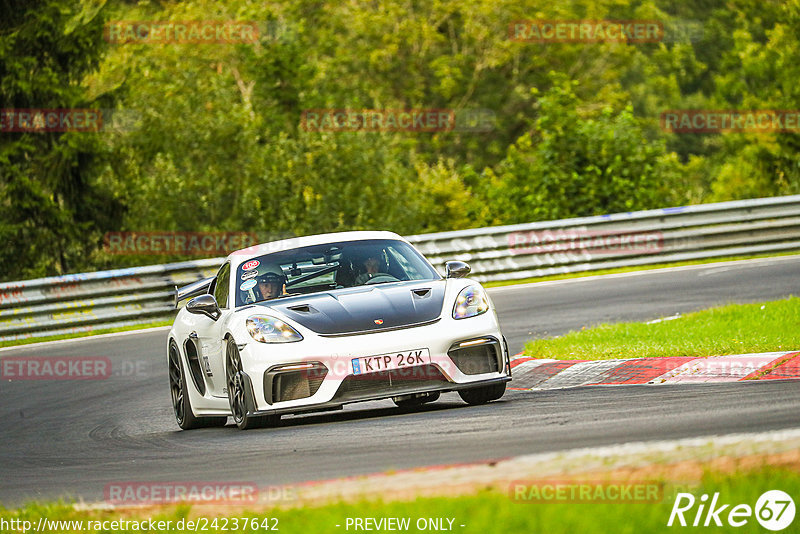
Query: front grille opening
[394, 381]
[280, 386]
[477, 359]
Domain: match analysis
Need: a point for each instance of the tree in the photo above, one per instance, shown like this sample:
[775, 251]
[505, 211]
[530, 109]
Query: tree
[577, 163]
[52, 211]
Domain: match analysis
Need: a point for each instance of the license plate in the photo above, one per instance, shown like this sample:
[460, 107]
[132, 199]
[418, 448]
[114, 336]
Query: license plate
[391, 360]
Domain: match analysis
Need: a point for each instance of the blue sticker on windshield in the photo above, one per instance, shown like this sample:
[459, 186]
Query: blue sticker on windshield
[247, 284]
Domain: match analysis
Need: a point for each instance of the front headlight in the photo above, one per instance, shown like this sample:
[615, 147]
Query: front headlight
[470, 302]
[268, 329]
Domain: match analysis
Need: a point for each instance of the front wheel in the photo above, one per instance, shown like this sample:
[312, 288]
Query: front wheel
[482, 395]
[181, 404]
[239, 394]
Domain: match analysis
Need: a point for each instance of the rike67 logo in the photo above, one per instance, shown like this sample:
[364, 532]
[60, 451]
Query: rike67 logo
[774, 510]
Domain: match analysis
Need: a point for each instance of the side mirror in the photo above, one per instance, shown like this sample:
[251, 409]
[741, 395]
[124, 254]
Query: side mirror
[204, 305]
[456, 269]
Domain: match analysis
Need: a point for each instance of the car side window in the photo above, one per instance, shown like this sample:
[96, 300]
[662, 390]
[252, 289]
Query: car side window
[221, 287]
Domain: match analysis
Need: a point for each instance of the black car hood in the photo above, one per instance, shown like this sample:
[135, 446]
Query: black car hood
[366, 308]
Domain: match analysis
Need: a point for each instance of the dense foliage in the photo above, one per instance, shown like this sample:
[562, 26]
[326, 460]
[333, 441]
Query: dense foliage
[210, 136]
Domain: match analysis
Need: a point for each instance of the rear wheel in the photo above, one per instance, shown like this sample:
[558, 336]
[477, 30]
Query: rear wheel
[239, 394]
[181, 404]
[418, 399]
[482, 395]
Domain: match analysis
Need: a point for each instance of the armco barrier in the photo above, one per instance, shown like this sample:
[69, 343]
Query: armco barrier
[620, 240]
[89, 301]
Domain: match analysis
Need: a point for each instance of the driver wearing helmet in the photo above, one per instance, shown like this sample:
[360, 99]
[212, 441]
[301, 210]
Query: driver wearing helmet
[271, 285]
[371, 265]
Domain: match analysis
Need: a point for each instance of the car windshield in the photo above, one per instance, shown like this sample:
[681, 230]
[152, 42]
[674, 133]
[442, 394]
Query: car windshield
[329, 266]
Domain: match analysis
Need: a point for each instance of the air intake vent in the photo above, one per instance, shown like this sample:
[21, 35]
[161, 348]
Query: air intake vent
[302, 308]
[476, 359]
[292, 383]
[422, 293]
[195, 369]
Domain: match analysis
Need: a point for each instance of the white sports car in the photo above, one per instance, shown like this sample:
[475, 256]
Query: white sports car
[313, 323]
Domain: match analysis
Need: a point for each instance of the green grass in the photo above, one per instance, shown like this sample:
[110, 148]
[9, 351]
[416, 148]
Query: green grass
[618, 270]
[733, 329]
[28, 341]
[488, 512]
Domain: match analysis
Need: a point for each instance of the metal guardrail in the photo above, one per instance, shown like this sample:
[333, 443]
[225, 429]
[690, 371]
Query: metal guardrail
[621, 240]
[107, 299]
[92, 301]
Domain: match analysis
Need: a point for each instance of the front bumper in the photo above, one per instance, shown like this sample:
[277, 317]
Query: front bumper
[483, 361]
[337, 403]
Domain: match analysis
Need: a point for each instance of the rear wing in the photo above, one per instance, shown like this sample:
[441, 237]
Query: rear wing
[192, 290]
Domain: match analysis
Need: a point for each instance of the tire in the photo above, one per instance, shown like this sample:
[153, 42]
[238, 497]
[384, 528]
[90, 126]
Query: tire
[239, 396]
[482, 395]
[178, 387]
[409, 401]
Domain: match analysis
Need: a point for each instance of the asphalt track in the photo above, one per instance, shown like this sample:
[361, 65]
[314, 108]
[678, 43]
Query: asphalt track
[72, 438]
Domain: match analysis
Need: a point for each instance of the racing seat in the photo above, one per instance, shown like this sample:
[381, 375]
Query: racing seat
[346, 273]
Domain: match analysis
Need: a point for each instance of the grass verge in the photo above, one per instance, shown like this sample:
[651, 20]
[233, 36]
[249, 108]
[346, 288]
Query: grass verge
[486, 512]
[733, 329]
[28, 341]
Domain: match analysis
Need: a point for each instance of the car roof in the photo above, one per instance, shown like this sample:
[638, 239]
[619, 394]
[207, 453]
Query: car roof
[245, 254]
